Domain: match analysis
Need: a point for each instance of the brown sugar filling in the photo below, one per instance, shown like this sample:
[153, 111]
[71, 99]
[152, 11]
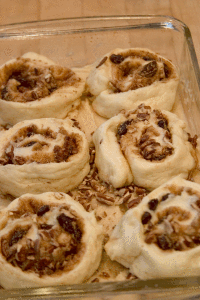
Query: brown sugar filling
[136, 69]
[40, 146]
[29, 80]
[58, 245]
[173, 227]
[146, 131]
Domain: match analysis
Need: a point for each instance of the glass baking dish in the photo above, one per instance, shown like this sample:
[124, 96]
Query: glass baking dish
[78, 42]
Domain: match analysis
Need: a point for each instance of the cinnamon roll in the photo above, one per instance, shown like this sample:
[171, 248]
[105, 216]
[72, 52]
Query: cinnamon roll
[161, 236]
[47, 239]
[146, 146]
[32, 87]
[42, 155]
[125, 78]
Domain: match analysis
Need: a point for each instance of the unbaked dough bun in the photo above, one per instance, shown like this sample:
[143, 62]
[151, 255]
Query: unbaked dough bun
[47, 239]
[145, 146]
[32, 87]
[42, 155]
[161, 236]
[125, 78]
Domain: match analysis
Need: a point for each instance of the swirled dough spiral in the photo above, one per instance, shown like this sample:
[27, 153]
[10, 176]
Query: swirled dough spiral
[47, 239]
[42, 155]
[145, 146]
[161, 236]
[32, 87]
[125, 78]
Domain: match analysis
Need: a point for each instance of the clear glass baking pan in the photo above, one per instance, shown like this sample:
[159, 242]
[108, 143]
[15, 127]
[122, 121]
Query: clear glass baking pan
[80, 41]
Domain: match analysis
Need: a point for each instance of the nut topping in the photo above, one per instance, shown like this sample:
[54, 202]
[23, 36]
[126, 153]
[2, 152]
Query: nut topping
[173, 227]
[93, 191]
[147, 132]
[132, 71]
[25, 82]
[41, 247]
[42, 146]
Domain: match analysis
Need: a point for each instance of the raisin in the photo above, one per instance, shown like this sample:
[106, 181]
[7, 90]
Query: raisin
[198, 203]
[51, 90]
[30, 144]
[162, 123]
[19, 77]
[42, 210]
[18, 235]
[4, 92]
[31, 130]
[36, 71]
[146, 58]
[122, 129]
[153, 203]
[116, 59]
[77, 233]
[164, 242]
[146, 217]
[66, 223]
[165, 197]
[69, 225]
[149, 70]
[196, 239]
[189, 244]
[167, 71]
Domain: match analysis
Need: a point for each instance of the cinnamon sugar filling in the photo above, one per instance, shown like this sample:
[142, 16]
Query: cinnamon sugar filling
[174, 227]
[47, 245]
[147, 133]
[28, 80]
[31, 144]
[136, 69]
